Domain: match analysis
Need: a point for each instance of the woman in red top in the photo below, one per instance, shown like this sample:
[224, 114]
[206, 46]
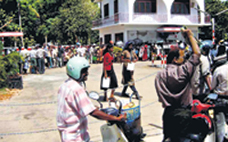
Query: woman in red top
[108, 71]
[144, 58]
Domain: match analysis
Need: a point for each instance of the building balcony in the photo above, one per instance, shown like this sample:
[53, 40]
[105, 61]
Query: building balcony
[111, 20]
[148, 18]
[153, 19]
[188, 19]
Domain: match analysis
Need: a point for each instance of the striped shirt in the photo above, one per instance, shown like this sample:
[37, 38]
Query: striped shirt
[73, 108]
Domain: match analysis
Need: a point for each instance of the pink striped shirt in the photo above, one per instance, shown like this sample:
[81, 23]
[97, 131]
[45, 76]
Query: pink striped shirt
[73, 108]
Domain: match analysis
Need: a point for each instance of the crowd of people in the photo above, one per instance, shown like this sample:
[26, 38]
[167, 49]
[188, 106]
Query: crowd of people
[188, 75]
[41, 57]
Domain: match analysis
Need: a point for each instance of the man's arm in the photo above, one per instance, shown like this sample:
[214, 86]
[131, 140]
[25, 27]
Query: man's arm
[208, 81]
[103, 116]
[214, 81]
[192, 40]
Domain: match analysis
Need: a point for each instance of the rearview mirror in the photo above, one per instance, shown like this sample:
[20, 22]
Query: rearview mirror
[212, 96]
[94, 95]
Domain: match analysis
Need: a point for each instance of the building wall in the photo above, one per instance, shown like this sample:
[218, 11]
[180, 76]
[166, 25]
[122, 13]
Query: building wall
[112, 30]
[146, 33]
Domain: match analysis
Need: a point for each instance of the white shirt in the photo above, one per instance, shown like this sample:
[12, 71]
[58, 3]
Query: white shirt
[24, 52]
[53, 53]
[81, 51]
[198, 79]
[91, 50]
[40, 53]
[33, 53]
[220, 80]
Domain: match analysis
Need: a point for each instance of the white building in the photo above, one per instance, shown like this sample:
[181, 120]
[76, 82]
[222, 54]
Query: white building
[149, 20]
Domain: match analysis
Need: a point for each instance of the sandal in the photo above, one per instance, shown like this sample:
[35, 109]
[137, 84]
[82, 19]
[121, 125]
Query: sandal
[112, 99]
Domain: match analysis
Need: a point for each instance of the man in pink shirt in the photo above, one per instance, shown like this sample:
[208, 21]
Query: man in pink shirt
[74, 105]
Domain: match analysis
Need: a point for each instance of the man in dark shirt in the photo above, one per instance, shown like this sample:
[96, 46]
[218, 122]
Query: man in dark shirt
[173, 83]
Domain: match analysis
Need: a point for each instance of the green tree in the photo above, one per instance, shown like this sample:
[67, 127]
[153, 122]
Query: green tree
[75, 21]
[221, 28]
[57, 20]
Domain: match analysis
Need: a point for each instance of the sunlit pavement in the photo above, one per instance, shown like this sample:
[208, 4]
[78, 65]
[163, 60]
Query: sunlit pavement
[31, 116]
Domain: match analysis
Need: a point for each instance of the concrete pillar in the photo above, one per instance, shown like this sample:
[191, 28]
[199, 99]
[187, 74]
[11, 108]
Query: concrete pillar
[168, 4]
[113, 37]
[125, 36]
[131, 9]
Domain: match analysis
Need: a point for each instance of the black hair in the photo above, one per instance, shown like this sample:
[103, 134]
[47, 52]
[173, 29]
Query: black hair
[206, 49]
[172, 54]
[108, 46]
[126, 47]
[221, 50]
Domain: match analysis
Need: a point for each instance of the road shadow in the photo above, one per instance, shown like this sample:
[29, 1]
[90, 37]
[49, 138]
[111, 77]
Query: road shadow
[155, 66]
[154, 125]
[120, 95]
[101, 98]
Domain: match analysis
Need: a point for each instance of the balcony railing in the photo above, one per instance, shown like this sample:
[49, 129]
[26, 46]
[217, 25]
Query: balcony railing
[117, 18]
[150, 19]
[188, 19]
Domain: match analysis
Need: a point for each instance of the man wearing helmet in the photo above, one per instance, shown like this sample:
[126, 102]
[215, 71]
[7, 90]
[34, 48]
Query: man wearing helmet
[74, 105]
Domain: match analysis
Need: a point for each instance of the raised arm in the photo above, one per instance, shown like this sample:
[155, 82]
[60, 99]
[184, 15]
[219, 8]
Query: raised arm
[192, 41]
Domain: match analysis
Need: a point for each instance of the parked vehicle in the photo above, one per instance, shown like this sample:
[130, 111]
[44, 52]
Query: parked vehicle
[201, 127]
[125, 131]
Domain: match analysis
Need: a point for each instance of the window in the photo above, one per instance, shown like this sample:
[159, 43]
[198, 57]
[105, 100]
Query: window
[145, 6]
[116, 8]
[107, 38]
[106, 11]
[119, 37]
[181, 7]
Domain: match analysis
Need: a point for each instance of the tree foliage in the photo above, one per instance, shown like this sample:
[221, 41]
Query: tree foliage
[59, 20]
[75, 21]
[221, 28]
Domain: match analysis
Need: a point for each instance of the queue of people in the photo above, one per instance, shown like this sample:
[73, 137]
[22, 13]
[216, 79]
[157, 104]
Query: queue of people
[41, 57]
[38, 58]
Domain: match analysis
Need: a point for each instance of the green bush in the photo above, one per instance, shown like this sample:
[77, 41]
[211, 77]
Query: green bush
[9, 67]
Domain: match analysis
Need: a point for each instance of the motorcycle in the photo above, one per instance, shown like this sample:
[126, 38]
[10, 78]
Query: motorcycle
[201, 127]
[125, 131]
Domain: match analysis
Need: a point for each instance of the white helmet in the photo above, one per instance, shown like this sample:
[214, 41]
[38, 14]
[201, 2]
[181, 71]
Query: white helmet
[75, 65]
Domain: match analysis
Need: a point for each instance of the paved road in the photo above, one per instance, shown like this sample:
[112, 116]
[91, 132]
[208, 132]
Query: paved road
[30, 116]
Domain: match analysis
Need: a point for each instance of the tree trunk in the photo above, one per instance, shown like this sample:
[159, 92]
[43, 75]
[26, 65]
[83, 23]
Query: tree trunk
[46, 40]
[15, 42]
